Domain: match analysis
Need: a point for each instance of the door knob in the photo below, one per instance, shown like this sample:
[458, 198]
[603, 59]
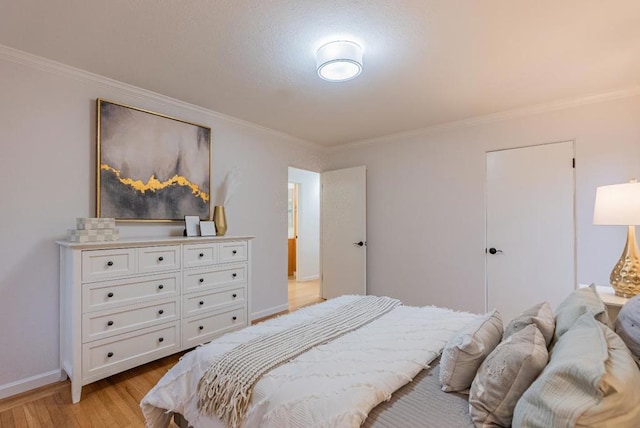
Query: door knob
[359, 244]
[494, 251]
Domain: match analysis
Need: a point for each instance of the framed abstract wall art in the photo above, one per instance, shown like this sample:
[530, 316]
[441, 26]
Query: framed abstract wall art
[151, 167]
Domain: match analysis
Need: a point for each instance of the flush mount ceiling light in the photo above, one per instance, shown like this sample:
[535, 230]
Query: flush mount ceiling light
[339, 61]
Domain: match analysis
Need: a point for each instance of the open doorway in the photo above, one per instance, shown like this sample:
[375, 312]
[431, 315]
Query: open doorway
[303, 267]
[292, 220]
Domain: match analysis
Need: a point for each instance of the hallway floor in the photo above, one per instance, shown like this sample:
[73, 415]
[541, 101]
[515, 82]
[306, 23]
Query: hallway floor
[303, 293]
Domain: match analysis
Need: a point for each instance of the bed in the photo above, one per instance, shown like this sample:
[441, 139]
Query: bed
[386, 373]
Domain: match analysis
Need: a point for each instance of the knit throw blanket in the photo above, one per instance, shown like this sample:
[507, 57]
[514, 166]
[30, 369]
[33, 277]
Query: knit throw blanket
[225, 388]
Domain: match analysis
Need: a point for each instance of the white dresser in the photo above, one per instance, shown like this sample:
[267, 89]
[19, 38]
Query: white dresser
[128, 302]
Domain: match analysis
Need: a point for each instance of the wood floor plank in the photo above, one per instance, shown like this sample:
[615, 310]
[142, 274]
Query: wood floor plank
[60, 415]
[62, 400]
[19, 417]
[30, 415]
[81, 412]
[6, 418]
[114, 401]
[122, 400]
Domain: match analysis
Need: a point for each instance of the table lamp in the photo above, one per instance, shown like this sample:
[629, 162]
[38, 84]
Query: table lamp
[619, 204]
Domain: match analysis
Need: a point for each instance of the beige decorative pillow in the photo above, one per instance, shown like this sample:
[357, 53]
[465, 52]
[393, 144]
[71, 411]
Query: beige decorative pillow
[504, 376]
[628, 326]
[579, 302]
[591, 381]
[541, 315]
[465, 351]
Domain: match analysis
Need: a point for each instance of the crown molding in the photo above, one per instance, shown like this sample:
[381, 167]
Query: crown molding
[30, 60]
[64, 70]
[495, 117]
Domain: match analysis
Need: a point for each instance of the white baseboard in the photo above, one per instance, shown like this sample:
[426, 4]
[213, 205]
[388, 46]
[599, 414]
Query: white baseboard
[270, 311]
[27, 384]
[309, 278]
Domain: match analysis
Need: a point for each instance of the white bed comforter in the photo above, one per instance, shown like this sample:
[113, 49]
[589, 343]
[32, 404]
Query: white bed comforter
[332, 385]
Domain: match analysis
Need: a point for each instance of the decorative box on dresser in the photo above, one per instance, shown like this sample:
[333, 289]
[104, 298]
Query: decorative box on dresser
[125, 303]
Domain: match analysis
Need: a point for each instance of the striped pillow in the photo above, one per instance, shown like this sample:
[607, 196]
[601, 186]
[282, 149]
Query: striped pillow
[591, 380]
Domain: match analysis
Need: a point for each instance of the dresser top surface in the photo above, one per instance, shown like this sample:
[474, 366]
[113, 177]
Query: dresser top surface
[166, 240]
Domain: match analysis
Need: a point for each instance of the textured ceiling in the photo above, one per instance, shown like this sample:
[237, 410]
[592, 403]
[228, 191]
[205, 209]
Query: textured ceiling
[425, 62]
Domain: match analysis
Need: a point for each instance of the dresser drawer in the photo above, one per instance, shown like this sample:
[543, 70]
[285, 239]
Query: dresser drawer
[103, 264]
[204, 302]
[196, 255]
[199, 330]
[232, 252]
[110, 294]
[103, 357]
[158, 259]
[98, 325]
[214, 277]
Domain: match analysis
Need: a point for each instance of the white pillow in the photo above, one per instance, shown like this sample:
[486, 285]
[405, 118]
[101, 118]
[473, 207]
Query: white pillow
[541, 315]
[504, 375]
[579, 302]
[466, 350]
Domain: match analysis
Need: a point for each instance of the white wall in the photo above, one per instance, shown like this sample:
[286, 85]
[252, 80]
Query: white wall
[308, 250]
[47, 167]
[425, 198]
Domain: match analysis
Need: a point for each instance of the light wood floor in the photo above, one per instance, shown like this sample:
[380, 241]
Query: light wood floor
[111, 402]
[303, 293]
[114, 401]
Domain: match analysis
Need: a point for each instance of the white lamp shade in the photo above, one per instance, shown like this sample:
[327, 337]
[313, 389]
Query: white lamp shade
[618, 204]
[339, 61]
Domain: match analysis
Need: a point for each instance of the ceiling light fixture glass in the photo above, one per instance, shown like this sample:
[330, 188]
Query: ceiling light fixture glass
[339, 61]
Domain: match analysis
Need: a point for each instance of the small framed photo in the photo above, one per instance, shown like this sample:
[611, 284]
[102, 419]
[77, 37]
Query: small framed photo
[192, 225]
[207, 228]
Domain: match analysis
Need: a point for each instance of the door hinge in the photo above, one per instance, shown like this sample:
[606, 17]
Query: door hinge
[573, 163]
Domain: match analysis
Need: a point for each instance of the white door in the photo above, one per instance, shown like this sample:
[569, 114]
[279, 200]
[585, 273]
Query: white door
[344, 232]
[530, 227]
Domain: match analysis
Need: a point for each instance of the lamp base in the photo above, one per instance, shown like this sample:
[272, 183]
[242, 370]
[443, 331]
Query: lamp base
[625, 276]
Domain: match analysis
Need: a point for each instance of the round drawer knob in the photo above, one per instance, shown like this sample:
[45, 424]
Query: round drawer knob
[201, 327]
[234, 252]
[234, 295]
[201, 280]
[109, 323]
[160, 286]
[201, 255]
[202, 302]
[234, 275]
[234, 318]
[110, 354]
[160, 258]
[161, 311]
[161, 339]
[109, 263]
[110, 295]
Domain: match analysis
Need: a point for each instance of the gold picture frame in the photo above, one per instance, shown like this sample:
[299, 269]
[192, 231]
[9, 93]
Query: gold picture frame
[151, 167]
